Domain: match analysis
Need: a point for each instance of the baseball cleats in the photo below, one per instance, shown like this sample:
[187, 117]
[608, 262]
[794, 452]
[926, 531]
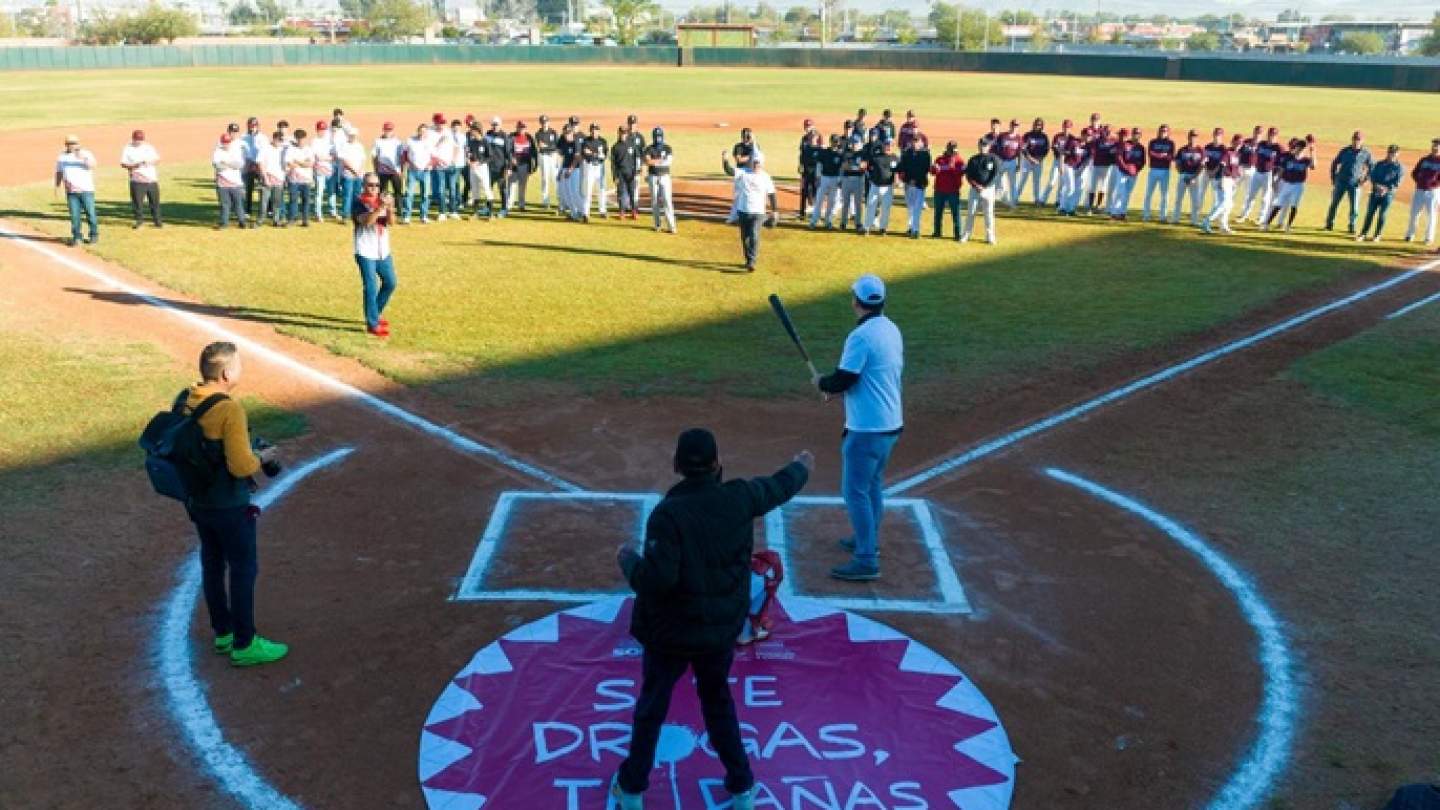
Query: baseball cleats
[856, 571]
[261, 651]
[224, 644]
[628, 801]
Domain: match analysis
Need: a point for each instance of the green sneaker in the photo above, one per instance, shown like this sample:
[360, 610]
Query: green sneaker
[224, 644]
[260, 651]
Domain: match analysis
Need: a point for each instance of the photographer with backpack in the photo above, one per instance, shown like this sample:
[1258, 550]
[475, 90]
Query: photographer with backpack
[200, 452]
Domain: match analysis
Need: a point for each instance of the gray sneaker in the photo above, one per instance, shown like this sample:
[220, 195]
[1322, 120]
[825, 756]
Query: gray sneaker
[856, 571]
[743, 801]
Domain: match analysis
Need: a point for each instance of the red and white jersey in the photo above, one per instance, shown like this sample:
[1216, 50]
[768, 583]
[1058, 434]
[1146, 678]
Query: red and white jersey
[77, 171]
[141, 157]
[228, 161]
[442, 150]
[371, 241]
[418, 153]
[300, 164]
[269, 158]
[386, 153]
[352, 160]
[1295, 169]
[1008, 145]
[1230, 165]
[1427, 173]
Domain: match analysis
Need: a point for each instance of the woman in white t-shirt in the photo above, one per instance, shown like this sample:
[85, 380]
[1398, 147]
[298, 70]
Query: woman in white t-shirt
[75, 170]
[373, 213]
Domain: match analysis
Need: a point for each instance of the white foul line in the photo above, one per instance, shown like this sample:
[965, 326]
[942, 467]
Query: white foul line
[188, 704]
[462, 443]
[1262, 765]
[1169, 372]
[1408, 308]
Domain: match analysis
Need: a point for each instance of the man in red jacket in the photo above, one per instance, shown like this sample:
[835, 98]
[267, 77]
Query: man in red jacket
[949, 173]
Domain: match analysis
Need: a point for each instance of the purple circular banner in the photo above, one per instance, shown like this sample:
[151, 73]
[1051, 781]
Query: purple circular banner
[838, 712]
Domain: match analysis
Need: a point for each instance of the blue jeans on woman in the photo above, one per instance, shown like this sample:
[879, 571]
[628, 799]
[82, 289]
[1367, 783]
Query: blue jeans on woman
[376, 299]
[863, 458]
[82, 202]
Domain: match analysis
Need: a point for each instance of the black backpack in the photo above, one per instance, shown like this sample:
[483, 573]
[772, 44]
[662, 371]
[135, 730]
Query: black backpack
[174, 446]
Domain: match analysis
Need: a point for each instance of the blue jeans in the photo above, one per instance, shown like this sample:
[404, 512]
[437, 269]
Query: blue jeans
[1378, 205]
[444, 186]
[330, 190]
[82, 202]
[349, 190]
[1342, 191]
[300, 202]
[863, 458]
[375, 300]
[417, 178]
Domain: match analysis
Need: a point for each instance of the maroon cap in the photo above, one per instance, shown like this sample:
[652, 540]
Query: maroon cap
[137, 135]
[225, 137]
[1124, 133]
[809, 122]
[388, 125]
[321, 126]
[438, 118]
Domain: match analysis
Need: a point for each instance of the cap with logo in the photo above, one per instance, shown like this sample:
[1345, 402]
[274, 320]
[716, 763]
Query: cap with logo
[869, 289]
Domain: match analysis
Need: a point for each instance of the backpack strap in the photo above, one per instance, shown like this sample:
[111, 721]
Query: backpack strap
[210, 402]
[179, 407]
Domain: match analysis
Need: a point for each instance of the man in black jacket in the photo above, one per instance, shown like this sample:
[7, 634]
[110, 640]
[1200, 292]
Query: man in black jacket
[692, 589]
[982, 173]
[502, 156]
[624, 166]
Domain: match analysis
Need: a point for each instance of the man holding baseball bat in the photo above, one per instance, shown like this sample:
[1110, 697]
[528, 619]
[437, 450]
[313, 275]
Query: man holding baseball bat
[869, 377]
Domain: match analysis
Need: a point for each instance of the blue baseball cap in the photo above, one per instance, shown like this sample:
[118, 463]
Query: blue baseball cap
[869, 289]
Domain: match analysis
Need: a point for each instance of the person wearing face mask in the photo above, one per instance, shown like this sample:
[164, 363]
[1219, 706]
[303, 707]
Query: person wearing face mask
[658, 159]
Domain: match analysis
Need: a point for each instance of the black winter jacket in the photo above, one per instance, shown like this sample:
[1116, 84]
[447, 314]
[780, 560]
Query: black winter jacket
[692, 586]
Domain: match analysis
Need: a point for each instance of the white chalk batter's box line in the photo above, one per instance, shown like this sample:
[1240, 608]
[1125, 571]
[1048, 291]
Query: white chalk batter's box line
[951, 594]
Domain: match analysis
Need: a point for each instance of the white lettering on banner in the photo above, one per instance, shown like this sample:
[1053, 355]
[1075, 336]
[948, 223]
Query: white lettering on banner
[831, 734]
[758, 698]
[615, 741]
[572, 790]
[785, 736]
[614, 689]
[543, 752]
[619, 744]
[802, 797]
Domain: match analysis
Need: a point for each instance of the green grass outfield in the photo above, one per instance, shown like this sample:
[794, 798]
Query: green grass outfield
[80, 98]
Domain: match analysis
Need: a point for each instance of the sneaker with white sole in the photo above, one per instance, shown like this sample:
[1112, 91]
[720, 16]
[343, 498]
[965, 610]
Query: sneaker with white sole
[630, 801]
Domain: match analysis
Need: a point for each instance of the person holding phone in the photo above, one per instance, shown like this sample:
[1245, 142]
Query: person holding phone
[373, 214]
[75, 170]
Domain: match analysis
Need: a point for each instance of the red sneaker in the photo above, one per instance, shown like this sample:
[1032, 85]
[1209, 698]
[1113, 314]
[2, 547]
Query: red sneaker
[381, 331]
[384, 324]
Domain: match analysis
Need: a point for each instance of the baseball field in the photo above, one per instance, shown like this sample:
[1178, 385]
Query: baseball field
[1163, 503]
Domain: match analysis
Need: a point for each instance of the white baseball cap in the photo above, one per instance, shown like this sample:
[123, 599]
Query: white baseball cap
[495, 119]
[869, 289]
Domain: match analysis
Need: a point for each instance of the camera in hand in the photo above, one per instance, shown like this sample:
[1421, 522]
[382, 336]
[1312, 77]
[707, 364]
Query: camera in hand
[273, 467]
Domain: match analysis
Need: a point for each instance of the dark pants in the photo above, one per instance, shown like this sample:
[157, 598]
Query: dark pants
[1378, 206]
[809, 184]
[148, 195]
[712, 673]
[227, 543]
[625, 192]
[232, 201]
[272, 203]
[393, 184]
[300, 202]
[252, 181]
[1342, 191]
[499, 177]
[750, 225]
[951, 201]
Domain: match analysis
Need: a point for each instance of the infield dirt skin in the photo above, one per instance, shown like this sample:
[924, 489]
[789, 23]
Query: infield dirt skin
[1123, 672]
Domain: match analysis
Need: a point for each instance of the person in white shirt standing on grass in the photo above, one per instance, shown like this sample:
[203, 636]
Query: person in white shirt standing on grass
[753, 188]
[322, 148]
[75, 170]
[373, 215]
[270, 161]
[139, 159]
[351, 154]
[299, 160]
[417, 173]
[229, 162]
[386, 157]
[868, 376]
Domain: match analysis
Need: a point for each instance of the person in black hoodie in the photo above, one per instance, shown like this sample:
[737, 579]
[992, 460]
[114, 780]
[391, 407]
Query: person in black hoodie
[982, 173]
[692, 587]
[915, 172]
[502, 155]
[624, 165]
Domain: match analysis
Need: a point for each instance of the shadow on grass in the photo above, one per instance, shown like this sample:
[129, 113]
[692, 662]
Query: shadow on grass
[692, 264]
[256, 315]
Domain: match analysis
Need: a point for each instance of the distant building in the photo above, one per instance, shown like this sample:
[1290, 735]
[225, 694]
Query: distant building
[1400, 36]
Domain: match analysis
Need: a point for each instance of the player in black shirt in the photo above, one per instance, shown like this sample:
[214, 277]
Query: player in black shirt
[880, 169]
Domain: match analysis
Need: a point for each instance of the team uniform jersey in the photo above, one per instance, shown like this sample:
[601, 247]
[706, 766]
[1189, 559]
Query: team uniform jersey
[269, 161]
[417, 154]
[1295, 169]
[742, 153]
[1267, 154]
[228, 161]
[988, 140]
[1105, 151]
[875, 351]
[143, 157]
[663, 156]
[522, 149]
[1037, 144]
[1059, 143]
[1214, 153]
[1077, 153]
[500, 152]
[1008, 146]
[1229, 165]
[1161, 153]
[880, 170]
[908, 131]
[1131, 158]
[852, 159]
[830, 162]
[371, 241]
[1426, 173]
[1190, 160]
[299, 164]
[546, 139]
[386, 153]
[594, 150]
[1247, 153]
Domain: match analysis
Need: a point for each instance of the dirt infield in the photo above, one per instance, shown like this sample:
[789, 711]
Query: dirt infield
[1123, 671]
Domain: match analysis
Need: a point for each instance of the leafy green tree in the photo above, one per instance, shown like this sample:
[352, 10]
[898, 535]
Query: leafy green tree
[357, 9]
[800, 15]
[8, 28]
[629, 15]
[1365, 43]
[1203, 41]
[391, 20]
[968, 27]
[1430, 45]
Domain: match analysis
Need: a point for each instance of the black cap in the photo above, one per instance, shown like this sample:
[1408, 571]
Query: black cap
[695, 452]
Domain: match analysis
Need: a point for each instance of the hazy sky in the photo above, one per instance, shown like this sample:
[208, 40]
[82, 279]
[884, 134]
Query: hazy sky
[1264, 9]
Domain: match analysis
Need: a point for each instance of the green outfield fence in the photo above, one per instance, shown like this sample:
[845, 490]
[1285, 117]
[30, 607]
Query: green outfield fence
[1418, 76]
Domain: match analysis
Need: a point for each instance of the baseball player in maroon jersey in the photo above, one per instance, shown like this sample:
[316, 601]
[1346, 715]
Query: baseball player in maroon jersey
[1294, 170]
[1129, 160]
[1161, 152]
[1102, 163]
[1426, 175]
[1058, 145]
[987, 141]
[1227, 177]
[1247, 161]
[1189, 163]
[1213, 152]
[1032, 160]
[1007, 149]
[1076, 161]
[1261, 187]
[908, 130]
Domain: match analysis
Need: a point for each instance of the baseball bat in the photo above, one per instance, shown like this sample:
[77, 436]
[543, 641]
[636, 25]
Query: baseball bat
[784, 316]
